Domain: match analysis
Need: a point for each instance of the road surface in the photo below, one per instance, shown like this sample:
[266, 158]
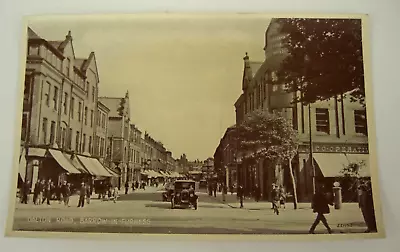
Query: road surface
[144, 212]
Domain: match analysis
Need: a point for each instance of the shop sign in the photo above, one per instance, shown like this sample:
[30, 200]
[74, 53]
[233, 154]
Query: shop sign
[336, 148]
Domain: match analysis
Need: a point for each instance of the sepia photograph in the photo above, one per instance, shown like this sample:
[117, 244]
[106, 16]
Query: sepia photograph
[173, 124]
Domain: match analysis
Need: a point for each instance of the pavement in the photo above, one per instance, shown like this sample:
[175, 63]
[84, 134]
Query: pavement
[143, 211]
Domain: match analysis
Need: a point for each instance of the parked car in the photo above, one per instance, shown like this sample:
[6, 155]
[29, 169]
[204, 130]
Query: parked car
[184, 194]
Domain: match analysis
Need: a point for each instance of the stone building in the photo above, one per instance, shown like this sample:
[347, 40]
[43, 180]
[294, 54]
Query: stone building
[118, 136]
[338, 126]
[135, 156]
[59, 111]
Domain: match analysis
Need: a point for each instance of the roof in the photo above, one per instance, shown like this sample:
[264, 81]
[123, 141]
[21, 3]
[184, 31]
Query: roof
[55, 44]
[32, 34]
[79, 63]
[113, 104]
[254, 66]
[103, 106]
[239, 100]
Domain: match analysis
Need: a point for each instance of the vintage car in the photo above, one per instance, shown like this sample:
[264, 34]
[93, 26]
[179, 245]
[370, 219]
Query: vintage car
[184, 194]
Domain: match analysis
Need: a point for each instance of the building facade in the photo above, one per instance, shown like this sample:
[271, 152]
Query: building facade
[100, 140]
[135, 156]
[118, 136]
[59, 106]
[338, 126]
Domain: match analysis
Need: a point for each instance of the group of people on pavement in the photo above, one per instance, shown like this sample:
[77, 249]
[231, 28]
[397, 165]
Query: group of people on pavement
[320, 203]
[136, 185]
[278, 196]
[45, 190]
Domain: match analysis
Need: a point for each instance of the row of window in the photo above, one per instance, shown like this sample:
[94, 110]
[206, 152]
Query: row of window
[102, 120]
[66, 135]
[56, 62]
[323, 124]
[322, 120]
[134, 156]
[65, 103]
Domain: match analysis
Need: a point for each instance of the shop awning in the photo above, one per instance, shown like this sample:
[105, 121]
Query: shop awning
[332, 164]
[36, 152]
[22, 164]
[101, 168]
[113, 173]
[94, 169]
[63, 162]
[75, 162]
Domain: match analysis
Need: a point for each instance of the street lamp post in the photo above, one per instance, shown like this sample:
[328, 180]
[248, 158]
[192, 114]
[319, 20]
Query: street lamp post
[311, 148]
[306, 61]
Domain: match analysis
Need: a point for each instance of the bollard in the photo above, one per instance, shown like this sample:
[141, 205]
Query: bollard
[337, 194]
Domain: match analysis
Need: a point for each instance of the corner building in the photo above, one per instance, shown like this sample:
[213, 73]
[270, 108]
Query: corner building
[59, 109]
[338, 127]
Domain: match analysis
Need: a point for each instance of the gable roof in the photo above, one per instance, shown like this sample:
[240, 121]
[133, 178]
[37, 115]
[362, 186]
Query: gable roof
[254, 66]
[32, 34]
[113, 104]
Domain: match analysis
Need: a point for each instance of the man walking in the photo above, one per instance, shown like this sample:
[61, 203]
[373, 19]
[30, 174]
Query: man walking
[47, 192]
[320, 205]
[240, 194]
[26, 187]
[82, 193]
[126, 187]
[66, 191]
[275, 198]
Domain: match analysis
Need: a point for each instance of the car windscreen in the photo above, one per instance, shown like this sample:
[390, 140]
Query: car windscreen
[184, 185]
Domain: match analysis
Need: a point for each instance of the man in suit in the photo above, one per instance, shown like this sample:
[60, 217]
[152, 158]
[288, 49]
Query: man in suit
[82, 194]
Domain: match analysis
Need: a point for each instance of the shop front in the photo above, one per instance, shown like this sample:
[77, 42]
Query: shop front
[330, 162]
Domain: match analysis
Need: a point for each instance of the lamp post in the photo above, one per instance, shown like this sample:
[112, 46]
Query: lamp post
[306, 61]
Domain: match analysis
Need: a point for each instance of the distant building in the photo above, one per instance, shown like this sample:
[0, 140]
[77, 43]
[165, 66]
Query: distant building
[135, 156]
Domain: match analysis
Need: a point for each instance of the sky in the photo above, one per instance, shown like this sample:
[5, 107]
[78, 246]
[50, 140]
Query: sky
[183, 73]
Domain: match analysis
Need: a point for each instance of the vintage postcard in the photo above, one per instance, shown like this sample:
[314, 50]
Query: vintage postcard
[244, 126]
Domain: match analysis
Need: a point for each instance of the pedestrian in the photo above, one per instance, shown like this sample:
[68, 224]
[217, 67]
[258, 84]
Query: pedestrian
[366, 205]
[58, 193]
[282, 198]
[133, 186]
[126, 187]
[88, 193]
[42, 186]
[320, 205]
[65, 191]
[48, 189]
[275, 198]
[257, 193]
[215, 189]
[25, 190]
[240, 194]
[137, 184]
[36, 192]
[115, 194]
[82, 193]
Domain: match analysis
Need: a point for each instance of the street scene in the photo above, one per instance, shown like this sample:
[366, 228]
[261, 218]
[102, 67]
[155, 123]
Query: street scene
[144, 212]
[244, 125]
